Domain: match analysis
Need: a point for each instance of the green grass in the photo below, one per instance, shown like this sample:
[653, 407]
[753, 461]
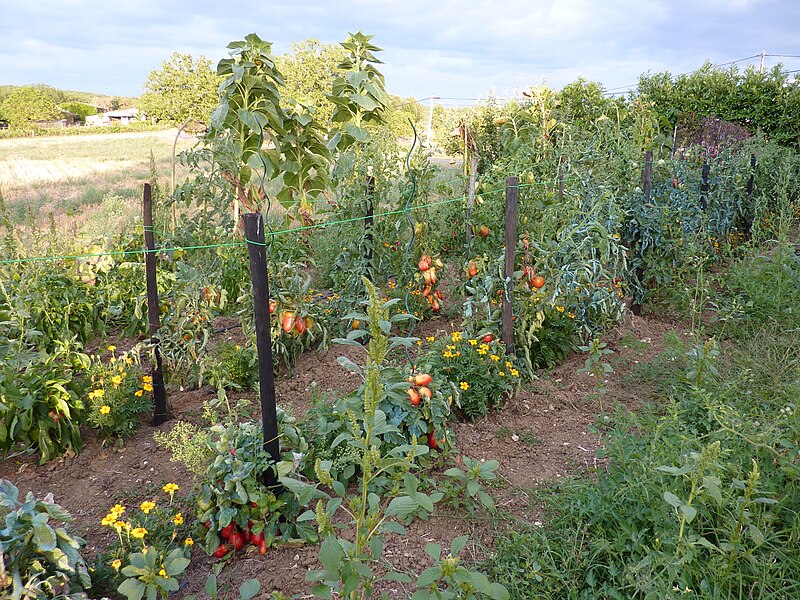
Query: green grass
[701, 495]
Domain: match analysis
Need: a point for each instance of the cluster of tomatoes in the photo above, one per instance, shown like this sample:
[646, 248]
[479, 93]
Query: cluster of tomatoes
[235, 538]
[291, 323]
[418, 391]
[427, 267]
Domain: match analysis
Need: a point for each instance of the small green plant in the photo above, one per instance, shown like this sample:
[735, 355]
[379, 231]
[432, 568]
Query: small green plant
[249, 588]
[464, 487]
[150, 575]
[595, 364]
[449, 579]
[188, 444]
[39, 558]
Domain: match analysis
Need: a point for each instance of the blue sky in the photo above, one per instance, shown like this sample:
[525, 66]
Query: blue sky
[452, 49]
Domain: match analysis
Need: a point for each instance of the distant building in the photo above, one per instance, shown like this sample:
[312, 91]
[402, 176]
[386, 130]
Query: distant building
[115, 117]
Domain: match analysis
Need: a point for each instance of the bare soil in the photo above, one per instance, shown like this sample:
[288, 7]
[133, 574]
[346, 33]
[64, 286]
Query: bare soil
[543, 433]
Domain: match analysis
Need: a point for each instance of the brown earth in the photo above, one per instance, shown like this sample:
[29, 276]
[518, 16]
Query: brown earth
[541, 434]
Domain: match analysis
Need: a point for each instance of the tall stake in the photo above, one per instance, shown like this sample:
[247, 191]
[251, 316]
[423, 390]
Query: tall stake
[473, 176]
[704, 185]
[160, 408]
[647, 188]
[368, 225]
[256, 249]
[512, 206]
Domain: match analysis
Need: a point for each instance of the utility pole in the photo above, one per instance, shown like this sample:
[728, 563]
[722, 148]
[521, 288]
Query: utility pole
[762, 61]
[429, 130]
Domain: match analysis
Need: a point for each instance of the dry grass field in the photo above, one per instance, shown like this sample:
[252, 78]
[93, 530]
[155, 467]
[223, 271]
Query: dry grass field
[83, 184]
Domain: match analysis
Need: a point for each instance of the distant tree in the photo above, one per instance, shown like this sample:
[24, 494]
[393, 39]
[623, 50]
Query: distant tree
[183, 88]
[81, 109]
[27, 104]
[308, 70]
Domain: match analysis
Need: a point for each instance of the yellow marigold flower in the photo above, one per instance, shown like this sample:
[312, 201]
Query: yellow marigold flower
[430, 338]
[484, 346]
[188, 542]
[162, 572]
[456, 336]
[473, 342]
[482, 351]
[450, 347]
[116, 564]
[138, 393]
[419, 342]
[116, 380]
[571, 315]
[111, 348]
[112, 360]
[148, 379]
[99, 393]
[170, 488]
[502, 374]
[119, 526]
[105, 409]
[560, 309]
[108, 520]
[147, 506]
[147, 387]
[139, 532]
[178, 519]
[447, 354]
[464, 385]
[117, 510]
[508, 364]
[514, 372]
[494, 357]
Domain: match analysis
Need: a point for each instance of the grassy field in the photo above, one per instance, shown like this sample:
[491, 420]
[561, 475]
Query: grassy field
[83, 183]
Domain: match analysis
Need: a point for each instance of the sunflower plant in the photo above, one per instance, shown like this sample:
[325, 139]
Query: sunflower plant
[120, 393]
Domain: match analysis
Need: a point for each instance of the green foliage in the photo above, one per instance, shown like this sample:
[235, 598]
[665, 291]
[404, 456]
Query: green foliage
[27, 104]
[79, 108]
[150, 574]
[309, 69]
[764, 101]
[39, 558]
[463, 487]
[188, 444]
[233, 496]
[42, 404]
[182, 89]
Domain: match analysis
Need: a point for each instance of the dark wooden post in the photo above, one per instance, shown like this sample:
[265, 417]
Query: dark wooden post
[473, 176]
[560, 179]
[751, 181]
[704, 185]
[748, 226]
[257, 251]
[160, 408]
[647, 190]
[512, 205]
[368, 225]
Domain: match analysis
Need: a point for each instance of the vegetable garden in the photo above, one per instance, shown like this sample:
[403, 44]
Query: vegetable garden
[455, 317]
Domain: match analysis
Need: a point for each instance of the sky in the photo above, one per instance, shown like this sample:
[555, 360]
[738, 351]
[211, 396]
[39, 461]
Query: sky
[456, 50]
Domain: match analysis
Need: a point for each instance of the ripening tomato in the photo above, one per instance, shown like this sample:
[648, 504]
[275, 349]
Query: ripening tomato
[425, 392]
[300, 325]
[473, 269]
[262, 547]
[423, 379]
[488, 338]
[221, 551]
[225, 532]
[413, 396]
[537, 281]
[287, 321]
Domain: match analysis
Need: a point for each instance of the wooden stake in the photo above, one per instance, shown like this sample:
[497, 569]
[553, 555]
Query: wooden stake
[161, 412]
[473, 176]
[368, 225]
[257, 251]
[512, 206]
[704, 185]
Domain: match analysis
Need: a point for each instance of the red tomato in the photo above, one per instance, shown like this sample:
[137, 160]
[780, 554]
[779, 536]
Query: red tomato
[221, 551]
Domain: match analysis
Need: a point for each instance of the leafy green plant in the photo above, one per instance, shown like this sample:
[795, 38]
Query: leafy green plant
[150, 576]
[449, 579]
[249, 589]
[39, 558]
[464, 486]
[346, 561]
